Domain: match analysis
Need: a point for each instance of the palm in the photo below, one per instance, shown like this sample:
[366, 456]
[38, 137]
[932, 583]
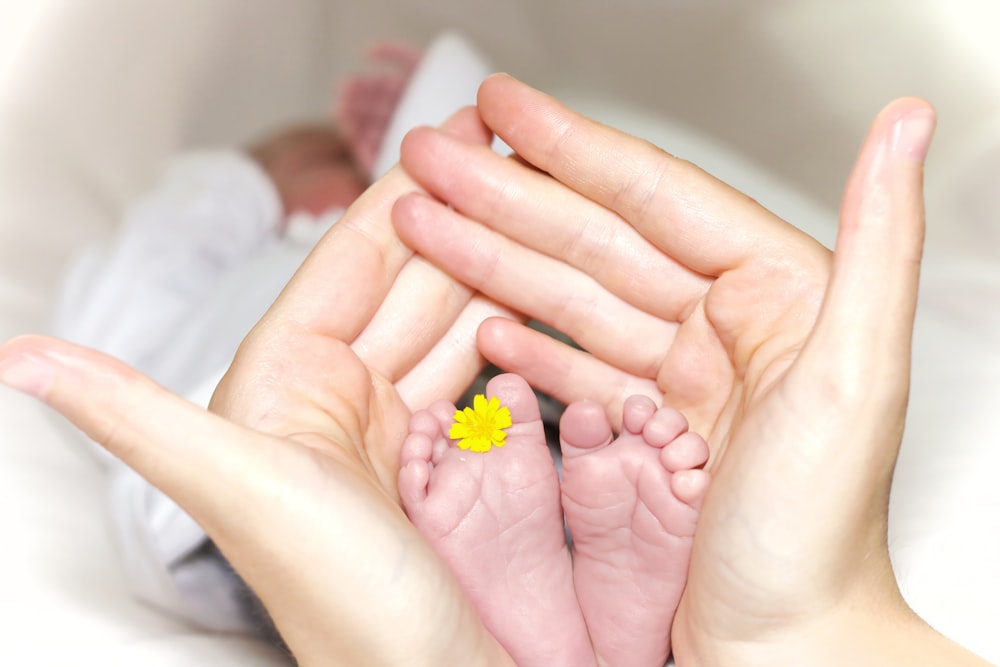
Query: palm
[729, 351]
[317, 388]
[302, 469]
[364, 330]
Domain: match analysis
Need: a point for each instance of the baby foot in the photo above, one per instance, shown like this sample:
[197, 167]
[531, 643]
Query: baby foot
[631, 505]
[495, 518]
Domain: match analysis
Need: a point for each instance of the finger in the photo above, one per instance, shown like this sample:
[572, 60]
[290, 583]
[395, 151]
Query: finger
[418, 310]
[444, 372]
[542, 214]
[559, 370]
[180, 448]
[866, 322]
[535, 284]
[347, 275]
[697, 219]
[536, 210]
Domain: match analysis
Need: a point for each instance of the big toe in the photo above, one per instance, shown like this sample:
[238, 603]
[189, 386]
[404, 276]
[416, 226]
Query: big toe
[584, 426]
[514, 392]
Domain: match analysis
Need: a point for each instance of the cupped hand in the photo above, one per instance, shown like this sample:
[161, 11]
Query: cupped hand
[792, 362]
[294, 476]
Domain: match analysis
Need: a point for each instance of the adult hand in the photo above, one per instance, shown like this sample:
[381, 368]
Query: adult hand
[793, 364]
[294, 478]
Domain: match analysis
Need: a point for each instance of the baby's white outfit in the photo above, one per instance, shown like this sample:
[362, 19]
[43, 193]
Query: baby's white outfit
[195, 264]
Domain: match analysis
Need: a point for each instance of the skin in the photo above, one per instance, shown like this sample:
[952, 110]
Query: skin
[793, 362]
[318, 393]
[810, 410]
[497, 519]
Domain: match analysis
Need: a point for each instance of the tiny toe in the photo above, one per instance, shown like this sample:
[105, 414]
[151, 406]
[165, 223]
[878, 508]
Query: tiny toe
[636, 411]
[690, 486]
[443, 413]
[412, 483]
[584, 427]
[686, 451]
[417, 446]
[424, 421]
[439, 448]
[663, 427]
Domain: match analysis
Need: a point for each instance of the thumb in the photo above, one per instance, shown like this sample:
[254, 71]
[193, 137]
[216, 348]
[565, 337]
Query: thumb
[865, 325]
[178, 447]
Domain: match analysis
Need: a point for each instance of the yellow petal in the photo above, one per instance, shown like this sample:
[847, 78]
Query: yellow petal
[503, 419]
[479, 444]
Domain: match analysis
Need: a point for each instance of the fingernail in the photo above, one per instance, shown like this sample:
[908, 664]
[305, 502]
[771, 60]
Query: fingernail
[28, 373]
[911, 135]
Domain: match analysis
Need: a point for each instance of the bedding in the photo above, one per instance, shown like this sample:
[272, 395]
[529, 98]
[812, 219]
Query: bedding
[94, 97]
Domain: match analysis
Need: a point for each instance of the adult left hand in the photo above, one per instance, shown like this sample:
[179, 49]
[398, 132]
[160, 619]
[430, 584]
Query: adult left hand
[294, 476]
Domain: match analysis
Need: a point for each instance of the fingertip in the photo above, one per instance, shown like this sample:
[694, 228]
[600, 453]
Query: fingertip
[497, 96]
[414, 142]
[409, 208]
[496, 339]
[423, 223]
[466, 125]
[25, 367]
[491, 84]
[911, 134]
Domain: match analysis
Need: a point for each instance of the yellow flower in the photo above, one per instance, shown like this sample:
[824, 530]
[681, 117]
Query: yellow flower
[480, 427]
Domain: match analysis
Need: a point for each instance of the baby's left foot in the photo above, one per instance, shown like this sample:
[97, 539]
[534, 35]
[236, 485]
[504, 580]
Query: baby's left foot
[495, 519]
[631, 504]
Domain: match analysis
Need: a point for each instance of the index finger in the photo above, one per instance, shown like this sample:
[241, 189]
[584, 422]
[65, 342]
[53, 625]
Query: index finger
[683, 210]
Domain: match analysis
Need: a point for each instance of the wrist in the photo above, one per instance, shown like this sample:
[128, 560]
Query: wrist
[868, 634]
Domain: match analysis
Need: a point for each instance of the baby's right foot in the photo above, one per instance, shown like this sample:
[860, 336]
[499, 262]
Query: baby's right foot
[631, 504]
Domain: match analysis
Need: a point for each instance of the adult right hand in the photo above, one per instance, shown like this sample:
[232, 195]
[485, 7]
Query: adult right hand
[793, 363]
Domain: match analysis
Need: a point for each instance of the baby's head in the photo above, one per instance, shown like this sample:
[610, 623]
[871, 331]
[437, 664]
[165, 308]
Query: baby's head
[312, 169]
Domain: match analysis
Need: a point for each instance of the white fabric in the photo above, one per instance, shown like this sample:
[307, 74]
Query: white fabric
[193, 266]
[445, 80]
[132, 297]
[94, 96]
